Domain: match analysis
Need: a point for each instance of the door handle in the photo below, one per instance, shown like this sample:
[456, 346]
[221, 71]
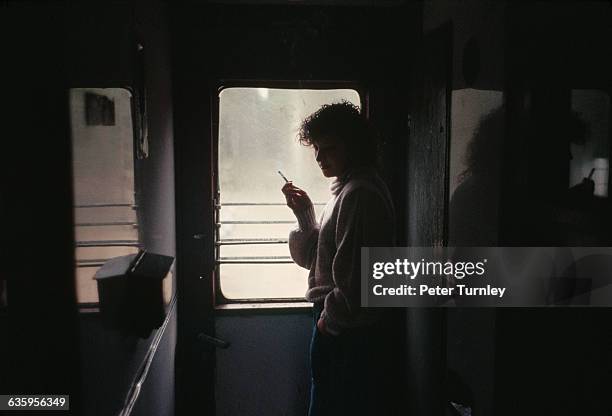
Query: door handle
[216, 342]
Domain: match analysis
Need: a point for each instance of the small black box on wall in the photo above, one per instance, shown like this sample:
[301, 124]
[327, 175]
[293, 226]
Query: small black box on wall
[131, 293]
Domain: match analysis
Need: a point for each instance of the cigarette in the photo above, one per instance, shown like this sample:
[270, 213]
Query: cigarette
[283, 176]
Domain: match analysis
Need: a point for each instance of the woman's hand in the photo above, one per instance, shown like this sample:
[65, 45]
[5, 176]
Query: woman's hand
[297, 199]
[321, 326]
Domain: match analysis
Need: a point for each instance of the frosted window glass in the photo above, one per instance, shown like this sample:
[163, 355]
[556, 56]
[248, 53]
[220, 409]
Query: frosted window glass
[257, 137]
[263, 281]
[102, 154]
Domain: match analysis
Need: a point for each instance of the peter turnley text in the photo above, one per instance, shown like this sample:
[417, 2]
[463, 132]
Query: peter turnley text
[450, 271]
[425, 290]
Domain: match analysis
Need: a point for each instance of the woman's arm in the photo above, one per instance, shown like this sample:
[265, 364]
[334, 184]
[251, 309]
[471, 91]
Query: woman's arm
[302, 241]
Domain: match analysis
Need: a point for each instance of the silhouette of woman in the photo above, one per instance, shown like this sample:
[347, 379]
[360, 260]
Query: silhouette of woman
[348, 344]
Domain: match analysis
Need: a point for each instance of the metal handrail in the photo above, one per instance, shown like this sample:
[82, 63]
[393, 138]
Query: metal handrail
[143, 371]
[87, 263]
[245, 204]
[256, 258]
[258, 222]
[242, 241]
[105, 224]
[105, 204]
[108, 243]
[254, 262]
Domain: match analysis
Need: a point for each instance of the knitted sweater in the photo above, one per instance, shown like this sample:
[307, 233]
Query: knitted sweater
[359, 214]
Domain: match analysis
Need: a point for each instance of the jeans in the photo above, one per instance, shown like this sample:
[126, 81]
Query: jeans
[352, 373]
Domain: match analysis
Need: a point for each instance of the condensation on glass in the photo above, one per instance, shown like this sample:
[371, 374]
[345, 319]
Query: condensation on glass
[105, 217]
[257, 138]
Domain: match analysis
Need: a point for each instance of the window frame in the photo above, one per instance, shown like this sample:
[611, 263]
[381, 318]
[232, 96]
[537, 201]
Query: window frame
[220, 301]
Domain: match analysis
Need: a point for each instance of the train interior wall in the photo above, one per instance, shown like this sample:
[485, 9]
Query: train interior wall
[55, 48]
[498, 57]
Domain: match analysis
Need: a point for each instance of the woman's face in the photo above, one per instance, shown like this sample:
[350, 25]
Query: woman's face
[332, 157]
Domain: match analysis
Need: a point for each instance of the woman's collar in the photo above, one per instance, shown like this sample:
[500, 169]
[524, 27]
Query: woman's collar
[338, 183]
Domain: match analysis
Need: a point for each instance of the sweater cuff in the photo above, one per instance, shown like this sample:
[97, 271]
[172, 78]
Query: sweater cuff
[306, 218]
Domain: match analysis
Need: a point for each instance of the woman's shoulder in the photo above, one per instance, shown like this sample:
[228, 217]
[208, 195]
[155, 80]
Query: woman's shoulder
[365, 180]
[365, 186]
[368, 195]
[359, 185]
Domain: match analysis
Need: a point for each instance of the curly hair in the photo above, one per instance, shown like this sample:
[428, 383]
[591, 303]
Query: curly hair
[343, 122]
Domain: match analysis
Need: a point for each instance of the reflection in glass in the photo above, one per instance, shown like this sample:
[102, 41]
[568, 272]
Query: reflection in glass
[590, 154]
[476, 135]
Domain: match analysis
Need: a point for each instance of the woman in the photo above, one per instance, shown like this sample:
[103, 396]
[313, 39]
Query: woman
[348, 344]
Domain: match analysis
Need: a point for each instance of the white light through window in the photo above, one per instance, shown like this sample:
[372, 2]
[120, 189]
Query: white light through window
[257, 137]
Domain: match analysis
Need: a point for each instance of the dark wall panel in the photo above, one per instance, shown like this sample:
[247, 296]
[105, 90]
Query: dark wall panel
[427, 202]
[40, 338]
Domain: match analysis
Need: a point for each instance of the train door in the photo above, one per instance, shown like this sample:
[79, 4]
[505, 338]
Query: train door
[248, 351]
